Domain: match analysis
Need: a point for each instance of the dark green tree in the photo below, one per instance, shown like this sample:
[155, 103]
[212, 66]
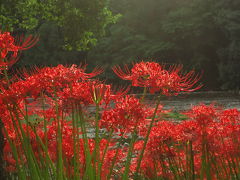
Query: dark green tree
[80, 22]
[199, 34]
[229, 20]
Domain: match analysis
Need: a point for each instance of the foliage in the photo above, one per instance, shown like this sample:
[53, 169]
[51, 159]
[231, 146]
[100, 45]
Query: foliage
[201, 33]
[80, 22]
[49, 51]
[229, 56]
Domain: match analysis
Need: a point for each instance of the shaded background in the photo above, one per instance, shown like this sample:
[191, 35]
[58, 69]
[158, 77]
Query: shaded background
[200, 34]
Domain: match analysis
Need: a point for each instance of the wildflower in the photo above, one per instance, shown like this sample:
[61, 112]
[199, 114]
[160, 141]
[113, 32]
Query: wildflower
[100, 92]
[230, 117]
[10, 44]
[51, 80]
[154, 76]
[125, 116]
[160, 148]
[69, 153]
[203, 114]
[60, 75]
[140, 74]
[161, 137]
[76, 94]
[186, 131]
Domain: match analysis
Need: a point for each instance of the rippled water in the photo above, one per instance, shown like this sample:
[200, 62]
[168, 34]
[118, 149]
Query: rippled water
[225, 100]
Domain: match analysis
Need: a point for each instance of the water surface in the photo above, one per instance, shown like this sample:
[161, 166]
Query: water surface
[226, 100]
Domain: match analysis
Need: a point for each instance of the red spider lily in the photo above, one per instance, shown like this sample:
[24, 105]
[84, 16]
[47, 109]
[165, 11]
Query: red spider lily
[169, 81]
[209, 130]
[88, 92]
[140, 74]
[68, 149]
[158, 150]
[75, 95]
[60, 74]
[187, 131]
[162, 134]
[100, 92]
[217, 128]
[203, 114]
[10, 44]
[15, 136]
[127, 113]
[51, 80]
[230, 117]
[173, 81]
[7, 44]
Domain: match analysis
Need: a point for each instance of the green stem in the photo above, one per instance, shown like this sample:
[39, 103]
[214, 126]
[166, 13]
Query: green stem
[114, 160]
[97, 141]
[2, 125]
[89, 170]
[6, 76]
[104, 153]
[191, 160]
[144, 94]
[129, 156]
[75, 144]
[146, 138]
[59, 168]
[28, 151]
[21, 173]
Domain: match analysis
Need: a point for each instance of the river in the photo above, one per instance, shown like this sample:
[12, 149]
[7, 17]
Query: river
[226, 100]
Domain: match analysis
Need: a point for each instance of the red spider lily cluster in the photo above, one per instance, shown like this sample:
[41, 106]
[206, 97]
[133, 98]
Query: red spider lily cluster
[157, 78]
[127, 114]
[48, 111]
[211, 135]
[10, 48]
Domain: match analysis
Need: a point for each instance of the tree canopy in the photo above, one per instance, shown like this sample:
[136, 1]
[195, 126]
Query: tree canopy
[80, 22]
[202, 33]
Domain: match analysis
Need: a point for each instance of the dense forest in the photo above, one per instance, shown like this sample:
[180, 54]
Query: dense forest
[200, 34]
